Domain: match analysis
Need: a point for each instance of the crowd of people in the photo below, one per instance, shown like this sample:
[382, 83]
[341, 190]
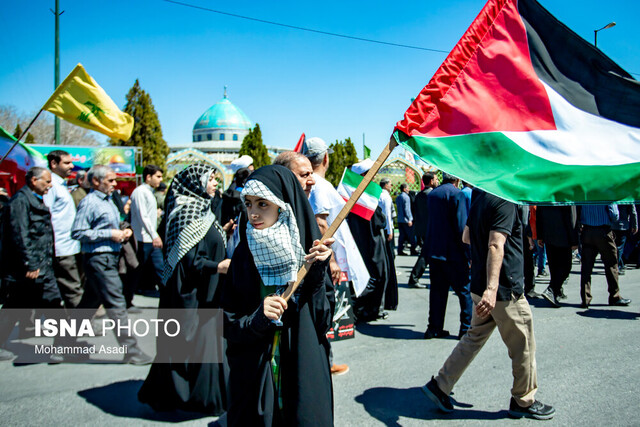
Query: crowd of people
[238, 250]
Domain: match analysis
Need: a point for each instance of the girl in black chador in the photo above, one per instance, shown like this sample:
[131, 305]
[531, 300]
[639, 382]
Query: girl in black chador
[279, 374]
[194, 273]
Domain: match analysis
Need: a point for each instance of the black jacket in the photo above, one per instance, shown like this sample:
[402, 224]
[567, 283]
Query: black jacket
[421, 213]
[232, 206]
[556, 225]
[28, 237]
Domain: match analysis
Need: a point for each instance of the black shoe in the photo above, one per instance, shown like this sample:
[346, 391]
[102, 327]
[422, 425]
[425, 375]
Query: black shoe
[400, 253]
[537, 410]
[429, 333]
[417, 285]
[620, 302]
[137, 357]
[550, 296]
[6, 355]
[382, 315]
[437, 396]
[584, 305]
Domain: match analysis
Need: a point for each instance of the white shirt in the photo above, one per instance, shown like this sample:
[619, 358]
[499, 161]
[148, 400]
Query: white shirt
[144, 214]
[386, 204]
[63, 212]
[324, 199]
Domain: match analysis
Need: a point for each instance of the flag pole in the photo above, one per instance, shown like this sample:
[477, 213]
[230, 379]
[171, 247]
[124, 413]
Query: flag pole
[20, 137]
[345, 211]
[56, 92]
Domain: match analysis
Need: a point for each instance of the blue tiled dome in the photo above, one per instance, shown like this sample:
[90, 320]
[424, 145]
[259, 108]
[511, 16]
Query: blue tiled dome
[223, 115]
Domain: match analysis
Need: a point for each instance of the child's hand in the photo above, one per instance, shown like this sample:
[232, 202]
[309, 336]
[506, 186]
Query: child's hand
[273, 307]
[320, 252]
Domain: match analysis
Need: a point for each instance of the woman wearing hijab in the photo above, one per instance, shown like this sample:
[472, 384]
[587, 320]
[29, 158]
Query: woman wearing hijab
[279, 375]
[193, 277]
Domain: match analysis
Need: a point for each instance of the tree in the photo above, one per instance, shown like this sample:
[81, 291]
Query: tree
[41, 131]
[252, 145]
[344, 155]
[17, 131]
[147, 132]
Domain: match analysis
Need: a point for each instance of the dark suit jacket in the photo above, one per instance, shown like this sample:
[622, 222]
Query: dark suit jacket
[447, 218]
[421, 213]
[557, 225]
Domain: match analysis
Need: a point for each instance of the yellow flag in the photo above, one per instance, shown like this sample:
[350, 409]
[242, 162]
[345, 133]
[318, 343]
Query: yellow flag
[81, 101]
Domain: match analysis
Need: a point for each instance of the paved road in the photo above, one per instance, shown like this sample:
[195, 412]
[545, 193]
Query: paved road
[587, 368]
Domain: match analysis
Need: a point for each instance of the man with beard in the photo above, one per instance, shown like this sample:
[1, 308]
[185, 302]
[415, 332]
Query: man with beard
[63, 212]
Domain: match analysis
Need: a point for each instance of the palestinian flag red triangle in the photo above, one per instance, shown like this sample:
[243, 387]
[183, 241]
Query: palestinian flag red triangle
[527, 110]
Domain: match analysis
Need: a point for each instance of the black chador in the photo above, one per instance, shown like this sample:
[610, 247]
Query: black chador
[191, 282]
[279, 375]
[372, 245]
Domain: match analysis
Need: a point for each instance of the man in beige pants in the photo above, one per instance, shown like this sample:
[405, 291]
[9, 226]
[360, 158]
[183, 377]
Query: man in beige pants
[494, 231]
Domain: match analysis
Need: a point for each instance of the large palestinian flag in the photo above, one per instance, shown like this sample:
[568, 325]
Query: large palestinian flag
[529, 111]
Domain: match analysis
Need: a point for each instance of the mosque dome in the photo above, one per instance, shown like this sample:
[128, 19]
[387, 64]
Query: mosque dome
[222, 122]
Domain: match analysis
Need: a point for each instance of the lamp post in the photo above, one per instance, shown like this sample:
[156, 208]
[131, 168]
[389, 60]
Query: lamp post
[595, 32]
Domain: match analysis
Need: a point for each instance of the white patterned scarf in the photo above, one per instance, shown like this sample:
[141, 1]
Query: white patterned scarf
[277, 252]
[189, 214]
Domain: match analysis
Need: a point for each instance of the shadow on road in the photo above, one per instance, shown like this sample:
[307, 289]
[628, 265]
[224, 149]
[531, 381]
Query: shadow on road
[389, 404]
[609, 314]
[127, 404]
[389, 331]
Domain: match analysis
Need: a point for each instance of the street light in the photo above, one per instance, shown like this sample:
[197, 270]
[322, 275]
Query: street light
[595, 32]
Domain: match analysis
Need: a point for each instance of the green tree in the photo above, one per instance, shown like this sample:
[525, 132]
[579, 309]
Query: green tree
[29, 139]
[147, 132]
[252, 145]
[344, 155]
[17, 131]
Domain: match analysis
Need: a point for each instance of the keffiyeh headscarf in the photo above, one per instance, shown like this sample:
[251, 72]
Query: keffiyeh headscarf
[277, 252]
[189, 215]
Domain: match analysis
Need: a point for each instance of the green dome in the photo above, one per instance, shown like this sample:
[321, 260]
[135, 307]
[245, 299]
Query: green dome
[223, 115]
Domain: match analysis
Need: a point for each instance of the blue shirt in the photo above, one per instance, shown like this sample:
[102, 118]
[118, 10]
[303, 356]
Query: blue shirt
[63, 212]
[404, 208]
[599, 215]
[96, 217]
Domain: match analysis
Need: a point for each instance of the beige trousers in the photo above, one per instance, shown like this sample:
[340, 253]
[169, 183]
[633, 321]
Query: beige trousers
[515, 324]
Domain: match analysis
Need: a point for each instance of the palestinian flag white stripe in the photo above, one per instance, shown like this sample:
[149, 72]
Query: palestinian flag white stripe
[581, 138]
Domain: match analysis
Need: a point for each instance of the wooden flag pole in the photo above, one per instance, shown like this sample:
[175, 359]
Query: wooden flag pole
[344, 212]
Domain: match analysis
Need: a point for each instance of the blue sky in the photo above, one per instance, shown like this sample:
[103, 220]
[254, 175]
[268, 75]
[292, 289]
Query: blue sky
[286, 80]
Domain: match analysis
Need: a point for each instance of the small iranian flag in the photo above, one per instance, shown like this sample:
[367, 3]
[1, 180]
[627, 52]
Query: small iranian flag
[367, 203]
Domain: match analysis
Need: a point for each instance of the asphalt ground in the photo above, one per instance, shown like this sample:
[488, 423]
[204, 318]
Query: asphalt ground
[587, 369]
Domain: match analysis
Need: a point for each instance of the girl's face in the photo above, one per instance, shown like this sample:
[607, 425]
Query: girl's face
[212, 184]
[262, 213]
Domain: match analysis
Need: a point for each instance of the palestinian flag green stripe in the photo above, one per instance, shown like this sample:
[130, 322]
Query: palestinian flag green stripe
[499, 166]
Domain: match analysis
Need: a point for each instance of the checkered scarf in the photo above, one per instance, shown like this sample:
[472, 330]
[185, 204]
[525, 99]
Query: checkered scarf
[276, 250]
[189, 215]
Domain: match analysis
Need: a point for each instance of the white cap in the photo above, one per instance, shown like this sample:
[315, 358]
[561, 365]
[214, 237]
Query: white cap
[362, 167]
[241, 162]
[314, 146]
